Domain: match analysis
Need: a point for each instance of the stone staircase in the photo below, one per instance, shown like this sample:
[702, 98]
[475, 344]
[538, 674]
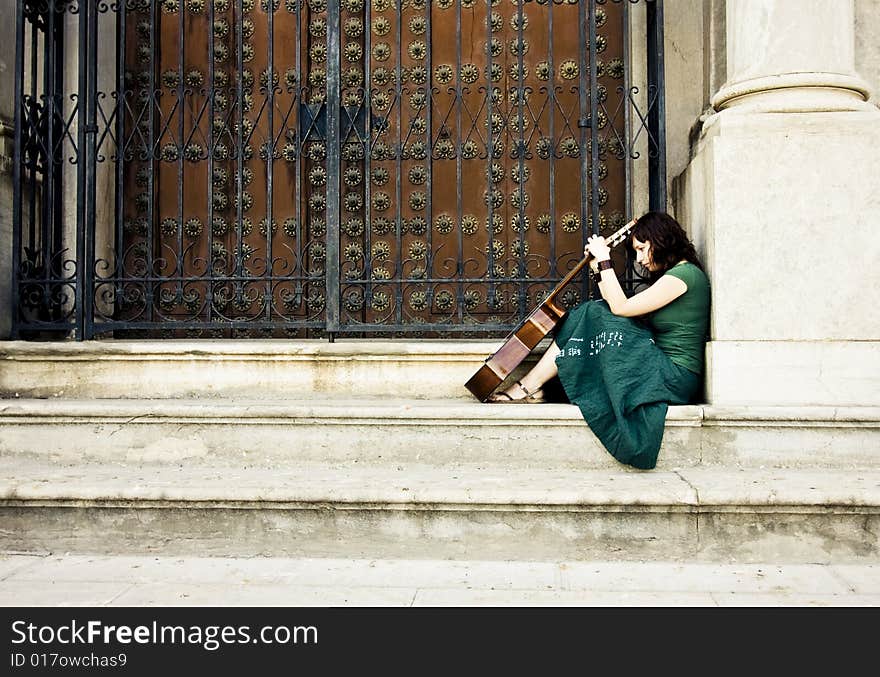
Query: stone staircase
[374, 449]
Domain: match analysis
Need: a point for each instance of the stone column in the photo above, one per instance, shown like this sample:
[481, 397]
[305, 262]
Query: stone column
[782, 196]
[791, 57]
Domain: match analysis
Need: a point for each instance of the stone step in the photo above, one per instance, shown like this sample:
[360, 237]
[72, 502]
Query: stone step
[418, 510]
[252, 369]
[375, 449]
[383, 432]
[153, 580]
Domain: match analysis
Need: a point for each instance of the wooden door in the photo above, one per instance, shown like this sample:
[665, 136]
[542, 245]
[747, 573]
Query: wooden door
[374, 167]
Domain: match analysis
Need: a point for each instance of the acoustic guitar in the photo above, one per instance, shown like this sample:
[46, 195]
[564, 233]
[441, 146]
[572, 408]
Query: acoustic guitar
[531, 330]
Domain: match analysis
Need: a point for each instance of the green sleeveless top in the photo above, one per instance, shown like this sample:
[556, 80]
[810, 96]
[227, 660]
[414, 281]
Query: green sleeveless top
[681, 328]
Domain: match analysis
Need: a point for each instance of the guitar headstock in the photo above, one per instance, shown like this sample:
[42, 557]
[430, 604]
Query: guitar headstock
[620, 234]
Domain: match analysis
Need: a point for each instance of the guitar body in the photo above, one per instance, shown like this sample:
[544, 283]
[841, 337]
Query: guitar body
[528, 334]
[514, 350]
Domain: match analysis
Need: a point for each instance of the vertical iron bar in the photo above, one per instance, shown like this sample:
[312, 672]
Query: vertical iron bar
[118, 207]
[270, 159]
[368, 163]
[594, 136]
[182, 148]
[458, 168]
[82, 161]
[298, 160]
[398, 177]
[50, 231]
[209, 227]
[91, 157]
[17, 170]
[523, 305]
[44, 236]
[58, 186]
[657, 112]
[627, 115]
[586, 14]
[33, 142]
[594, 127]
[429, 164]
[629, 270]
[332, 270]
[151, 187]
[239, 155]
[583, 122]
[551, 160]
[490, 156]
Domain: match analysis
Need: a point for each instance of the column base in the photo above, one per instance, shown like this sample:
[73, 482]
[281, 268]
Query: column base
[782, 211]
[794, 93]
[793, 373]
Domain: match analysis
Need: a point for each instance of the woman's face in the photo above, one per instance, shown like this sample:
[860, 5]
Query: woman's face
[643, 253]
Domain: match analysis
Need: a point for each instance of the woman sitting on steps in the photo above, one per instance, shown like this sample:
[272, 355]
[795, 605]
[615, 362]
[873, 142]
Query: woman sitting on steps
[623, 373]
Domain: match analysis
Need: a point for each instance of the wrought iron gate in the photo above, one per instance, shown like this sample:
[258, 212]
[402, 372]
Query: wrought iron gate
[323, 167]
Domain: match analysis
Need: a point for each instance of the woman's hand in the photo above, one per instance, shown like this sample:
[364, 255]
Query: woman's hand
[597, 247]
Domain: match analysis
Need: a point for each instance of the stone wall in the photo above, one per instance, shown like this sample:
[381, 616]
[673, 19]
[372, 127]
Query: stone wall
[686, 24]
[779, 197]
[696, 67]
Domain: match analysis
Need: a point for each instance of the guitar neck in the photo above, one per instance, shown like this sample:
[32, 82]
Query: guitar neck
[551, 297]
[615, 239]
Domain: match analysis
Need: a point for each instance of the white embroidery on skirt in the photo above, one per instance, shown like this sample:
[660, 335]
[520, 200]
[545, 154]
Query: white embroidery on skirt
[605, 339]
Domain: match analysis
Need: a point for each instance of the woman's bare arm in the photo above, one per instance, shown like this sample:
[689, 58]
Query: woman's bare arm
[662, 292]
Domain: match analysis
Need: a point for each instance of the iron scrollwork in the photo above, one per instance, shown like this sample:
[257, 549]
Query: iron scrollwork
[435, 167]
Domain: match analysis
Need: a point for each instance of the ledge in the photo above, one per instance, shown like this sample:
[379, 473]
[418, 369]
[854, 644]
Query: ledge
[252, 349]
[419, 487]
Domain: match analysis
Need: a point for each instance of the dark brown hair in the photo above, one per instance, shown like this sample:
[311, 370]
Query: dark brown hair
[669, 242]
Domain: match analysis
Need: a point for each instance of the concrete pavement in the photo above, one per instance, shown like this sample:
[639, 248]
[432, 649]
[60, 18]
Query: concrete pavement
[118, 581]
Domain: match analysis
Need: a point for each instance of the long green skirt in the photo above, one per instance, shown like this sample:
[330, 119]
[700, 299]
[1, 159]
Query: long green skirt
[622, 382]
